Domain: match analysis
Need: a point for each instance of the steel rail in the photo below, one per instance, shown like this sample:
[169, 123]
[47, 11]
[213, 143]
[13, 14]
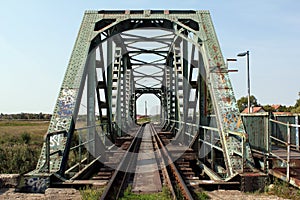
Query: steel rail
[163, 164]
[118, 180]
[180, 182]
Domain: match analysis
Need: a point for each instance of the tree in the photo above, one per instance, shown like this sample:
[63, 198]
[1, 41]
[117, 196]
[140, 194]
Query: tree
[41, 115]
[296, 108]
[243, 102]
[268, 108]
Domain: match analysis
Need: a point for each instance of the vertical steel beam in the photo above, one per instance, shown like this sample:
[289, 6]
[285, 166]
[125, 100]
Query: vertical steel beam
[224, 102]
[109, 85]
[91, 89]
[185, 85]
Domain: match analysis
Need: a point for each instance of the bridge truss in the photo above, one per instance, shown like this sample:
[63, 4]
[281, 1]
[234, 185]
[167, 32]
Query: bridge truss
[119, 56]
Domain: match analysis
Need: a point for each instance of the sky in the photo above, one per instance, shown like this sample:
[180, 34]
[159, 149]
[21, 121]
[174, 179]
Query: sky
[37, 38]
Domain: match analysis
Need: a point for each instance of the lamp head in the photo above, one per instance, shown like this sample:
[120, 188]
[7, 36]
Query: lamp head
[243, 54]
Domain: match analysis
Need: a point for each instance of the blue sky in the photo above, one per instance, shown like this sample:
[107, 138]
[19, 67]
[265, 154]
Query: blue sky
[37, 37]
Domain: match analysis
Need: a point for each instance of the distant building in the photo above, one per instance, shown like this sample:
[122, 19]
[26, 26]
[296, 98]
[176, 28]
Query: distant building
[276, 107]
[282, 113]
[277, 110]
[253, 109]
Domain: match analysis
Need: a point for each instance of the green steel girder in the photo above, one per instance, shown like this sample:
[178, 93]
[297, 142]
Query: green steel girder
[116, 90]
[100, 26]
[178, 90]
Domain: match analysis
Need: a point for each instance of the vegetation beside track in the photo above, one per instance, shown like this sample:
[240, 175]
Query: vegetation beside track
[90, 193]
[283, 189]
[20, 144]
[165, 194]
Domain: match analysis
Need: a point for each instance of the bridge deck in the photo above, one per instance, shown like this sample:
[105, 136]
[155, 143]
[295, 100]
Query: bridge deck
[282, 153]
[147, 178]
[281, 171]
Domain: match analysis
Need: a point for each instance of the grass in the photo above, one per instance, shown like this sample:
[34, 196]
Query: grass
[283, 189]
[20, 144]
[164, 195]
[201, 195]
[90, 193]
[11, 130]
[4, 123]
[143, 120]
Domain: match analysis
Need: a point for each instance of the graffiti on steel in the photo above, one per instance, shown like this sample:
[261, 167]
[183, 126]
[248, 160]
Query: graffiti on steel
[37, 184]
[65, 105]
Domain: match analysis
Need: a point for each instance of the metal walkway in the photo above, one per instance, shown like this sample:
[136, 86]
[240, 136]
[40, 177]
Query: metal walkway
[275, 142]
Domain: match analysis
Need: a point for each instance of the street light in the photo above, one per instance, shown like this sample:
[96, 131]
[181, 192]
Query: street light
[248, 75]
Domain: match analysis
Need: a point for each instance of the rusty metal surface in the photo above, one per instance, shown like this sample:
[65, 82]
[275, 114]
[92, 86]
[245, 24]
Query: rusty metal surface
[116, 183]
[174, 172]
[257, 128]
[282, 153]
[280, 131]
[281, 174]
[224, 102]
[253, 182]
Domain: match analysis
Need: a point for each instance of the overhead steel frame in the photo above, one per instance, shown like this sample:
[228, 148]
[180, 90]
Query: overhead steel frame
[120, 83]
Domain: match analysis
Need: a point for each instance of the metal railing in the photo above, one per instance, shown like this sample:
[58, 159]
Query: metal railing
[79, 147]
[208, 132]
[285, 143]
[48, 152]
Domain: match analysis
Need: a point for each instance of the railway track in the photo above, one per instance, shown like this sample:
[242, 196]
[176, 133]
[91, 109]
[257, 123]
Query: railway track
[146, 166]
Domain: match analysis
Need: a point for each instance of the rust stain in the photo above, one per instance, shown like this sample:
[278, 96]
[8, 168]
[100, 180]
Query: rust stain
[226, 99]
[225, 119]
[297, 181]
[205, 28]
[215, 48]
[239, 122]
[223, 78]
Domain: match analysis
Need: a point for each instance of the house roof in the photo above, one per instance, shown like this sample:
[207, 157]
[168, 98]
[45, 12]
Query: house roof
[277, 106]
[254, 110]
[282, 113]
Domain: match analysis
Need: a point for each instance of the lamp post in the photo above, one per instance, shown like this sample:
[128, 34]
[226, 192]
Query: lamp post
[248, 75]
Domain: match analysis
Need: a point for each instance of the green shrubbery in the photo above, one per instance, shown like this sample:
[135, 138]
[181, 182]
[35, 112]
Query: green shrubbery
[18, 154]
[283, 189]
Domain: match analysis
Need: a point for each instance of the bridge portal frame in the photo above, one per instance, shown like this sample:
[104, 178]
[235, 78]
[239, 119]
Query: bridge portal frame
[194, 27]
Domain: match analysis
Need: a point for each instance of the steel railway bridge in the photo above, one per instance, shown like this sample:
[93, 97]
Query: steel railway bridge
[118, 57]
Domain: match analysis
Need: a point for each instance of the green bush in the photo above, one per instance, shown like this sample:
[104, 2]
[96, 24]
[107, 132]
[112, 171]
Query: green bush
[26, 138]
[17, 155]
[284, 190]
[18, 158]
